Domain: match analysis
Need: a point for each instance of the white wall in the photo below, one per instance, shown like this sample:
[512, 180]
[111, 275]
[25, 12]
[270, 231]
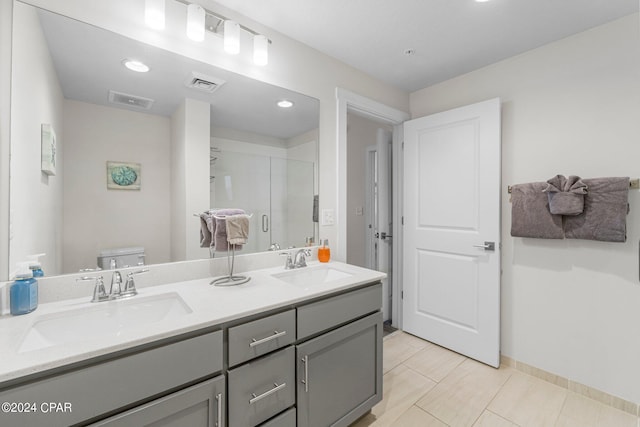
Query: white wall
[96, 218]
[292, 65]
[36, 199]
[570, 307]
[190, 128]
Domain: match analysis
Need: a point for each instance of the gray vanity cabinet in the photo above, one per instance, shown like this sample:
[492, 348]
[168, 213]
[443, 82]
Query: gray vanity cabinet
[201, 405]
[340, 374]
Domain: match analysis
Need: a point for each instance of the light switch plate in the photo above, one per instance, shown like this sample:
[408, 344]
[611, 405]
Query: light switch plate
[328, 217]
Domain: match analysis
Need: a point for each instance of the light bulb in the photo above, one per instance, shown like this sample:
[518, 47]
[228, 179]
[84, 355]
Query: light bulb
[154, 14]
[195, 22]
[260, 50]
[231, 37]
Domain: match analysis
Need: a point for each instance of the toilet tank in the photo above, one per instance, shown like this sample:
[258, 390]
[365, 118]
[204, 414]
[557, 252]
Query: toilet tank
[124, 257]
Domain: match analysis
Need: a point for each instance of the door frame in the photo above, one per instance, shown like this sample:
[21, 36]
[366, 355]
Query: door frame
[350, 102]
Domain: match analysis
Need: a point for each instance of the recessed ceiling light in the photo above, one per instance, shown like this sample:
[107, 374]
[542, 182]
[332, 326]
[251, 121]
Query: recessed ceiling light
[481, 1]
[284, 103]
[136, 66]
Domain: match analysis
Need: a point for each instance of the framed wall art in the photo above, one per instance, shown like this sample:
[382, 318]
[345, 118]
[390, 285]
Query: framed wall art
[123, 175]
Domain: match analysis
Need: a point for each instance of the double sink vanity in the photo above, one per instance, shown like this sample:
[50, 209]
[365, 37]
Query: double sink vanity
[300, 347]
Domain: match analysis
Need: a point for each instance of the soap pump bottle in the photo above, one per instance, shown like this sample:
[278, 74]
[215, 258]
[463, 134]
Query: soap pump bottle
[23, 293]
[35, 265]
[324, 253]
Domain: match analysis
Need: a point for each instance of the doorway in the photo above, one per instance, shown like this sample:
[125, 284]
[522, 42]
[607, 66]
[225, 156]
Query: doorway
[349, 102]
[369, 195]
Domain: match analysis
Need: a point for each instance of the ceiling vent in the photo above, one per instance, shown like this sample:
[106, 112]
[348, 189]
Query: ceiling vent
[130, 100]
[203, 82]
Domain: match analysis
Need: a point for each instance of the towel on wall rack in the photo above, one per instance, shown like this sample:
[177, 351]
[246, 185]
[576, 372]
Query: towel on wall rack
[566, 195]
[530, 215]
[215, 232]
[605, 211]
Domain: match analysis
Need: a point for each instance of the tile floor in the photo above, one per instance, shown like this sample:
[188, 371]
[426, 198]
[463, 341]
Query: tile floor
[425, 385]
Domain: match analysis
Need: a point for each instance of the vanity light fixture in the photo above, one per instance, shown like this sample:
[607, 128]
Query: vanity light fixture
[195, 22]
[201, 20]
[260, 50]
[231, 37]
[284, 103]
[154, 14]
[136, 66]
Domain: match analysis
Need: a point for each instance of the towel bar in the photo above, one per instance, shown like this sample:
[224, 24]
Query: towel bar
[634, 184]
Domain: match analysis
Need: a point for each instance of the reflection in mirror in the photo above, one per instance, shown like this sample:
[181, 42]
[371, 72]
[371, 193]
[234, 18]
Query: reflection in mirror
[180, 139]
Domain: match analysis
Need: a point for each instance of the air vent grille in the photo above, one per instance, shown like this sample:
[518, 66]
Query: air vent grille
[130, 100]
[203, 82]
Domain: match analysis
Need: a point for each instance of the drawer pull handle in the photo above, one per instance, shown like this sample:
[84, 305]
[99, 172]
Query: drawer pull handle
[275, 389]
[254, 342]
[305, 381]
[219, 417]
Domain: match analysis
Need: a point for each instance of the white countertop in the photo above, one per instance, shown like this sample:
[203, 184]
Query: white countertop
[210, 305]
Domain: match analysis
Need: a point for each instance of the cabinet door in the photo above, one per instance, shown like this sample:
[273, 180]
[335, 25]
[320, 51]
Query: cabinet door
[201, 405]
[340, 374]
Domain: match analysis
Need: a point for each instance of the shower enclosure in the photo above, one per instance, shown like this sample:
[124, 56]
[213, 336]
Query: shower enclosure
[277, 191]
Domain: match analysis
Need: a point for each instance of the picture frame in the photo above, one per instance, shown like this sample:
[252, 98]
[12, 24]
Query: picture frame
[48, 149]
[123, 175]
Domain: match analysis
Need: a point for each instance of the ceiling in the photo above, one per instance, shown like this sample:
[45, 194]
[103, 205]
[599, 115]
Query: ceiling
[88, 63]
[448, 37]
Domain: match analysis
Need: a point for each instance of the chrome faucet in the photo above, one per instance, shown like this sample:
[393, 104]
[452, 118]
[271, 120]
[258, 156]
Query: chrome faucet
[116, 291]
[300, 260]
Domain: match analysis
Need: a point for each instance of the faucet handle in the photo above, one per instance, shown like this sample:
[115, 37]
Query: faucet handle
[130, 286]
[99, 292]
[288, 265]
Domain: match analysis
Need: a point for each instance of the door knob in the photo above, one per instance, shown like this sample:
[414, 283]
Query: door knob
[488, 246]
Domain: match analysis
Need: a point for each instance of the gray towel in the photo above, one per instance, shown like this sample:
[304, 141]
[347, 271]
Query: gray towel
[566, 195]
[605, 211]
[530, 215]
[207, 229]
[237, 229]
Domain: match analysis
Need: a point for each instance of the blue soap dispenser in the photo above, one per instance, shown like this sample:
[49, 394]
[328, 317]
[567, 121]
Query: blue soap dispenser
[23, 293]
[35, 266]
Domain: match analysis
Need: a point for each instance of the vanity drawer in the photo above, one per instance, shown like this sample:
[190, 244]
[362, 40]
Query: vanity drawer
[328, 313]
[261, 389]
[117, 383]
[261, 336]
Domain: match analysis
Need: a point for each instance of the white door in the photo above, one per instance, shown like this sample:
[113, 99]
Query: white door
[451, 250]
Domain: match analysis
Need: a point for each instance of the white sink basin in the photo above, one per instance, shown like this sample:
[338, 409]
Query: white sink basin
[103, 319]
[311, 276]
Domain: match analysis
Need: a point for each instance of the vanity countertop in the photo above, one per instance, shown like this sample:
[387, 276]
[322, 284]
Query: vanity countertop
[209, 305]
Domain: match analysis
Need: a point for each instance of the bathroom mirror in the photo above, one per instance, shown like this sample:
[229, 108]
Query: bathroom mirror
[69, 79]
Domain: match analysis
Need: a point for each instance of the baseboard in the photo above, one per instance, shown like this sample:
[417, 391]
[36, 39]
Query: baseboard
[590, 392]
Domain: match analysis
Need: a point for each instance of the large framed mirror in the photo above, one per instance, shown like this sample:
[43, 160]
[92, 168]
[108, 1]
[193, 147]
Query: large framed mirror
[74, 101]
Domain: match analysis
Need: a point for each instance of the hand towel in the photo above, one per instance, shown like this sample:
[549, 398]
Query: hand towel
[605, 211]
[220, 235]
[566, 195]
[530, 215]
[205, 230]
[237, 229]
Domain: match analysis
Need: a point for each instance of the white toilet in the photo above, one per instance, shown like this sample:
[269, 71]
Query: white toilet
[110, 259]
